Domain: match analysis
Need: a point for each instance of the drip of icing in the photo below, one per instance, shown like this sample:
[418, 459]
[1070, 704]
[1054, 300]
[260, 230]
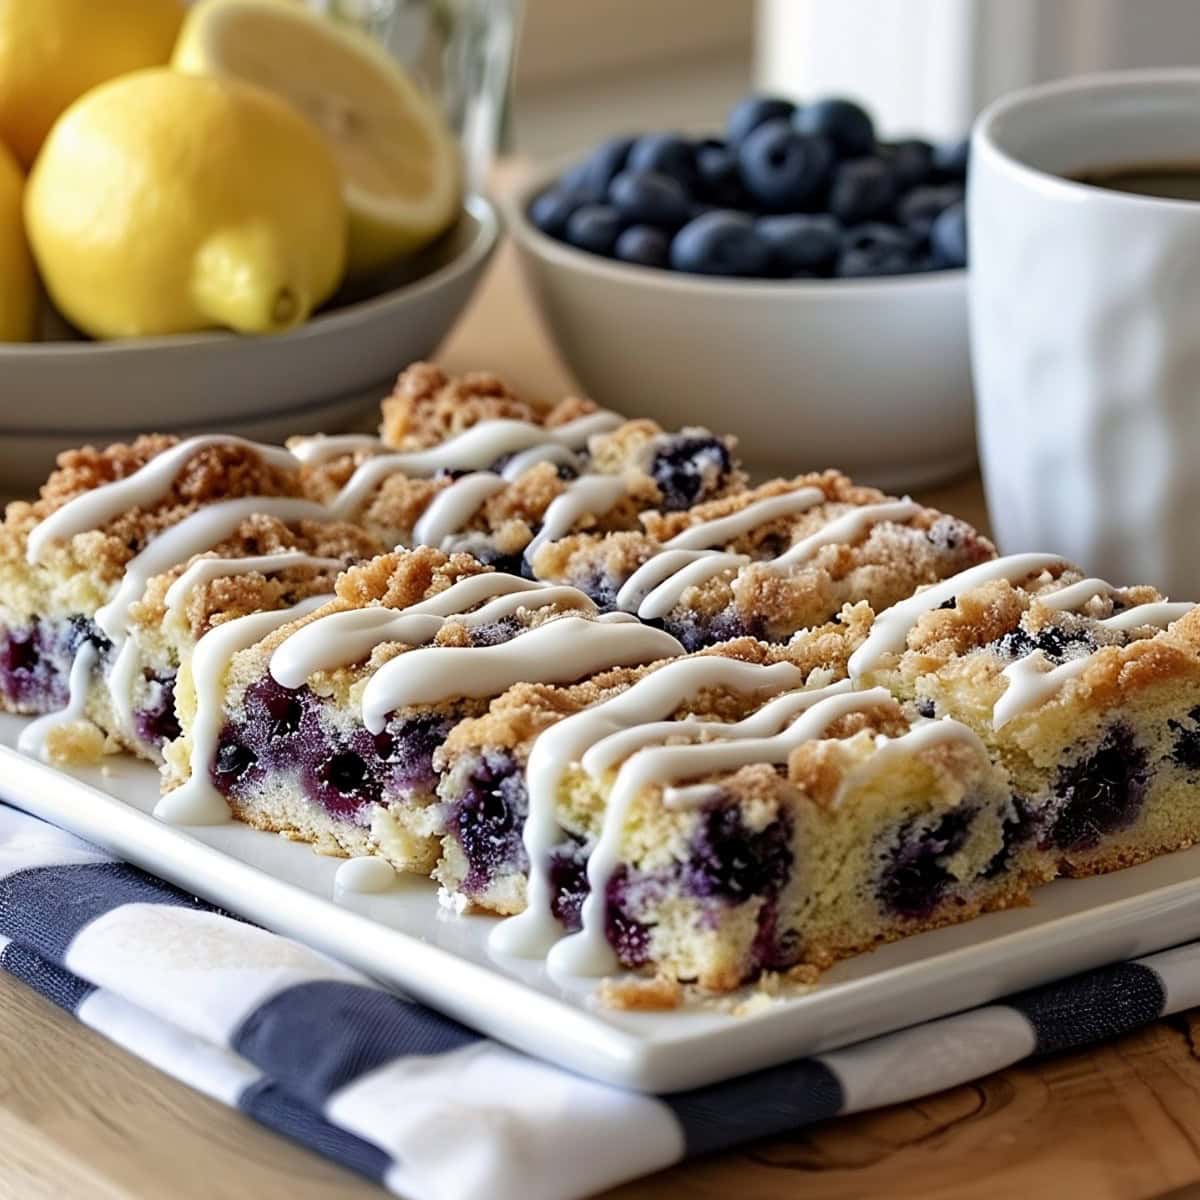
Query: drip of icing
[595, 494]
[196, 533]
[313, 451]
[365, 875]
[143, 489]
[651, 699]
[560, 651]
[668, 594]
[1161, 614]
[33, 737]
[707, 534]
[846, 528]
[197, 801]
[520, 463]
[588, 952]
[1076, 594]
[658, 585]
[891, 628]
[920, 737]
[122, 678]
[341, 638]
[454, 506]
[694, 795]
[1033, 681]
[205, 570]
[473, 450]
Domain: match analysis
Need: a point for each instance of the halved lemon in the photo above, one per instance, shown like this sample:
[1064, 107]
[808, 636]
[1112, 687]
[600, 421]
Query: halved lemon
[399, 163]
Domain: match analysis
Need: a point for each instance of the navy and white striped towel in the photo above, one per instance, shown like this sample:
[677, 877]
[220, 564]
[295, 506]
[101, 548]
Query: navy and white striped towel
[428, 1108]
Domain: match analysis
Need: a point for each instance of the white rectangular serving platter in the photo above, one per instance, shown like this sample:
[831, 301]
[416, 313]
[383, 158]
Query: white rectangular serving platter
[407, 941]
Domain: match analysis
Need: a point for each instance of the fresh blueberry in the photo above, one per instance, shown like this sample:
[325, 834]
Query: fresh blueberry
[644, 245]
[876, 249]
[666, 153]
[720, 243]
[594, 227]
[748, 114]
[950, 159]
[784, 171]
[846, 124]
[919, 208]
[598, 169]
[948, 236]
[718, 180]
[864, 189]
[551, 210]
[801, 245]
[649, 198]
[911, 161]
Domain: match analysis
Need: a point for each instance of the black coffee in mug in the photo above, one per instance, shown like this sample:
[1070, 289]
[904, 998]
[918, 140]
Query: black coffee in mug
[1171, 181]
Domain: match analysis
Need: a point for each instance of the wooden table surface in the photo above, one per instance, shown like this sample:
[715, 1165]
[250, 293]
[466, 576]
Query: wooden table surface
[80, 1118]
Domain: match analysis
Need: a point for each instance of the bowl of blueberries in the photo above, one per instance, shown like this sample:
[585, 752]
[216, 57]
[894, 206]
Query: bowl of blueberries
[796, 279]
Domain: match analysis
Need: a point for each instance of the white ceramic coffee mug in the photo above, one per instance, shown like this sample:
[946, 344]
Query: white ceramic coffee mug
[1085, 327]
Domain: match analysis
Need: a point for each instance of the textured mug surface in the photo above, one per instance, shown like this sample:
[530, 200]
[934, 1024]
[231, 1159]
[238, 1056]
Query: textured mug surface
[1085, 327]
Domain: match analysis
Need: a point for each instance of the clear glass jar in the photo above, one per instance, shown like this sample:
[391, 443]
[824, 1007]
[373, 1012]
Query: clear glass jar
[461, 51]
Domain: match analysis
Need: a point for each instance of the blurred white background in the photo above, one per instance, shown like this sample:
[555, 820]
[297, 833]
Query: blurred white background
[591, 67]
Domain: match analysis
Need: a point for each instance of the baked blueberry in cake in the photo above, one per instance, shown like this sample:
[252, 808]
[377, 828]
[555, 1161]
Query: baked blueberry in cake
[766, 562]
[1087, 692]
[322, 721]
[725, 814]
[74, 562]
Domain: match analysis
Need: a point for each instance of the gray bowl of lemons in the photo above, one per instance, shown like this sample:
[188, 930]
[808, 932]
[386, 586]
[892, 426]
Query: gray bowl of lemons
[238, 215]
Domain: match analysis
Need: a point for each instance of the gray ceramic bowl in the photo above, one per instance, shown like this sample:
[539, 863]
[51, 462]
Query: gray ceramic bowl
[869, 375]
[57, 394]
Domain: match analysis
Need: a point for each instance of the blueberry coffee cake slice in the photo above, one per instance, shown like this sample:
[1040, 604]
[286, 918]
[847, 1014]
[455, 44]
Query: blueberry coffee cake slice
[1088, 693]
[768, 561]
[322, 721]
[465, 465]
[75, 562]
[727, 814]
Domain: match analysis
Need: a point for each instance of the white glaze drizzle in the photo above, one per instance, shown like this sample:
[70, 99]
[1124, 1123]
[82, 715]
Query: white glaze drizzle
[651, 699]
[667, 595]
[205, 570]
[196, 533]
[588, 952]
[197, 801]
[1033, 681]
[560, 651]
[454, 506]
[364, 875]
[1161, 613]
[891, 628]
[658, 585]
[595, 494]
[1075, 594]
[692, 795]
[349, 636]
[846, 528]
[921, 736]
[706, 534]
[33, 738]
[122, 675]
[522, 462]
[472, 450]
[144, 488]
[322, 448]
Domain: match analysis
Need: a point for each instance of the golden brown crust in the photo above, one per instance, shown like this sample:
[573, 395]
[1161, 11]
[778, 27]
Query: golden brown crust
[634, 994]
[427, 406]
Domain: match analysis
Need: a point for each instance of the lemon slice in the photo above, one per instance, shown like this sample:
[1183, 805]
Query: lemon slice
[398, 160]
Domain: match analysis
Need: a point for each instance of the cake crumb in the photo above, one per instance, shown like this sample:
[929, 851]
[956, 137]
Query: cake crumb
[659, 994]
[75, 743]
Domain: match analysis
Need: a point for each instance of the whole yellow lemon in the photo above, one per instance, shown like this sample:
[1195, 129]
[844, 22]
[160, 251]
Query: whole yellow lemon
[52, 51]
[17, 291]
[163, 203]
